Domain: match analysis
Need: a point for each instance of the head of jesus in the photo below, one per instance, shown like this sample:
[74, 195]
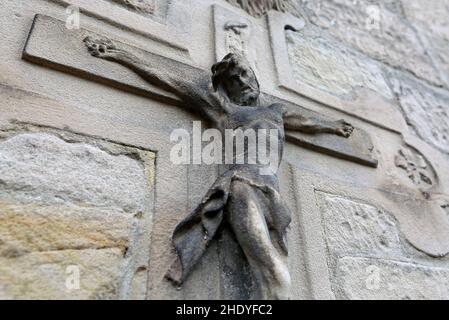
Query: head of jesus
[234, 78]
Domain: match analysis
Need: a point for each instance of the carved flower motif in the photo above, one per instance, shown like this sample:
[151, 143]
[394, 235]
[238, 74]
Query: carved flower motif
[415, 165]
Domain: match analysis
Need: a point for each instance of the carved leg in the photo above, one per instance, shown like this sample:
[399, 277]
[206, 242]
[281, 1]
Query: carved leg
[247, 219]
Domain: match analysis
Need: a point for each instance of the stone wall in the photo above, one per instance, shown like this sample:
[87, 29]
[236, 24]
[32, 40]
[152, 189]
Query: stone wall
[89, 197]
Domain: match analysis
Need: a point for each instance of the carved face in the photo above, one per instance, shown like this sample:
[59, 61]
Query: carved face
[238, 81]
[241, 85]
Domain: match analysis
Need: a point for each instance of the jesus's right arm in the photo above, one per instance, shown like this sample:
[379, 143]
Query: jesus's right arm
[191, 85]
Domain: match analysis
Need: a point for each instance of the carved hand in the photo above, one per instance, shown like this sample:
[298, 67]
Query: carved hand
[102, 48]
[343, 128]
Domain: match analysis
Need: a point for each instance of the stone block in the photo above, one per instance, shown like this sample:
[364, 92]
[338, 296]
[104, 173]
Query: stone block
[354, 227]
[146, 7]
[433, 30]
[425, 109]
[377, 29]
[378, 279]
[44, 275]
[74, 217]
[42, 168]
[325, 64]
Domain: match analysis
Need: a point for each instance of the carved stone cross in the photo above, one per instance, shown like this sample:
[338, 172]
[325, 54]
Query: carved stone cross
[228, 98]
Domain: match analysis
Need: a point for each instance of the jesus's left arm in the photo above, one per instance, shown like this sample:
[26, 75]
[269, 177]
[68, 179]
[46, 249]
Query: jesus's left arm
[295, 121]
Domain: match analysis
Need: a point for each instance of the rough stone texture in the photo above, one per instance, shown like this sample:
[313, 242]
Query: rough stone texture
[418, 170]
[66, 204]
[43, 275]
[425, 108]
[432, 14]
[353, 227]
[325, 64]
[30, 228]
[43, 168]
[433, 29]
[368, 259]
[376, 28]
[140, 6]
[168, 24]
[374, 279]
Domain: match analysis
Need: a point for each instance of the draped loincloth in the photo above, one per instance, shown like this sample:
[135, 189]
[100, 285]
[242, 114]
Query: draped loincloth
[193, 235]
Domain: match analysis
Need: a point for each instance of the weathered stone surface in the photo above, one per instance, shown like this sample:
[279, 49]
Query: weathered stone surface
[439, 51]
[426, 110]
[235, 33]
[43, 275]
[39, 167]
[433, 30]
[417, 168]
[261, 7]
[169, 24]
[377, 29]
[353, 227]
[70, 204]
[327, 65]
[368, 259]
[365, 278]
[30, 228]
[38, 243]
[140, 6]
[431, 14]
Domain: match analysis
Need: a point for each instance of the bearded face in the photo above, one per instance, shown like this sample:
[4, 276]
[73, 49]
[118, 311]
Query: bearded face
[237, 80]
[241, 86]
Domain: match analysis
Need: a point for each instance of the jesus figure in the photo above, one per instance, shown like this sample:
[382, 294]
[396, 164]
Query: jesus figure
[242, 198]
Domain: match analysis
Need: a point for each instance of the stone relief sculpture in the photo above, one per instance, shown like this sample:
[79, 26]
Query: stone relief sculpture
[415, 166]
[258, 8]
[241, 198]
[237, 40]
[237, 36]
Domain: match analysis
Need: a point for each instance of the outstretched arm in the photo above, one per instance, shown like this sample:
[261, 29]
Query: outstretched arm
[297, 122]
[185, 82]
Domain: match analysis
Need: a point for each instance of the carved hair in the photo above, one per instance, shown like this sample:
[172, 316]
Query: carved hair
[258, 8]
[220, 69]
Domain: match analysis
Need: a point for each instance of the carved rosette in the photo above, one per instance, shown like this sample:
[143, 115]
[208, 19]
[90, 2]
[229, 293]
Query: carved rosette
[418, 170]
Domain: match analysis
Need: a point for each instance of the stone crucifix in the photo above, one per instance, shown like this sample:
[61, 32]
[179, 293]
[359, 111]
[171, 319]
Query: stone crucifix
[241, 199]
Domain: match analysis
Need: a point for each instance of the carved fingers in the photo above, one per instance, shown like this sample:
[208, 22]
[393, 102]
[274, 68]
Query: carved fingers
[101, 47]
[344, 129]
